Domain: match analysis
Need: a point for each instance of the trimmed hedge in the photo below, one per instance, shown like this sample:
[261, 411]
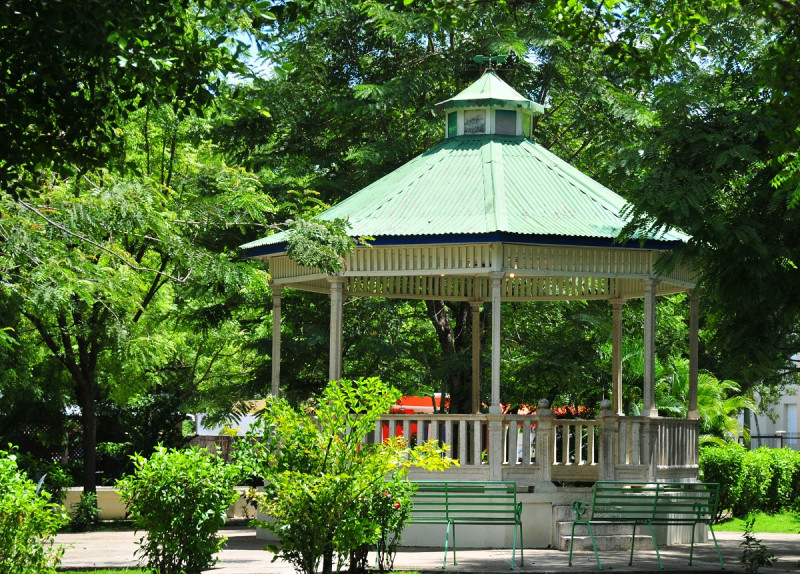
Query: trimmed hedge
[766, 479]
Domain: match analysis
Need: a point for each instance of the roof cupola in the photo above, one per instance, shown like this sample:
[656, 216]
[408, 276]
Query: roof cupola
[489, 107]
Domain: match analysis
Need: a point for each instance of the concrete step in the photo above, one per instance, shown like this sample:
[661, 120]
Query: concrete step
[562, 513]
[607, 542]
[564, 528]
[607, 537]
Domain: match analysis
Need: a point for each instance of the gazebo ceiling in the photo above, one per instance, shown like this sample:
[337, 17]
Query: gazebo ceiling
[487, 202]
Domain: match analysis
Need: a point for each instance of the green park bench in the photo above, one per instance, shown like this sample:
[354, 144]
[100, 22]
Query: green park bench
[650, 503]
[482, 503]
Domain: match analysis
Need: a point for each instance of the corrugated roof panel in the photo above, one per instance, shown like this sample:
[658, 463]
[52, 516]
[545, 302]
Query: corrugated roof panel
[472, 185]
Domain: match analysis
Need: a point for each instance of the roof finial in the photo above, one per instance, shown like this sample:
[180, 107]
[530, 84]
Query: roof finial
[499, 59]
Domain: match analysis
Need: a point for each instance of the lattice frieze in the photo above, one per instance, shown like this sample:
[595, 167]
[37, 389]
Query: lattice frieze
[419, 287]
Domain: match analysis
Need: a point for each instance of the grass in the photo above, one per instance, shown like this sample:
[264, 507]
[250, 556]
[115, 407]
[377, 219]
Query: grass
[785, 522]
[105, 571]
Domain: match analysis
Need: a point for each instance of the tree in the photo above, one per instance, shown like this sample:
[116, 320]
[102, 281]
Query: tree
[719, 403]
[75, 71]
[130, 286]
[722, 124]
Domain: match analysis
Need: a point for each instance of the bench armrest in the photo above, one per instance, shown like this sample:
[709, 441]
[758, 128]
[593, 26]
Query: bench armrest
[580, 507]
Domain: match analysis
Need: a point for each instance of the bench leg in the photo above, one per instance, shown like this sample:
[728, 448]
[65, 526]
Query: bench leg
[719, 555]
[455, 561]
[446, 540]
[594, 544]
[655, 545]
[571, 540]
[633, 540]
[514, 548]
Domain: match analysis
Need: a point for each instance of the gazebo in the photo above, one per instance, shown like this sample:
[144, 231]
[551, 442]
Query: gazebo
[489, 215]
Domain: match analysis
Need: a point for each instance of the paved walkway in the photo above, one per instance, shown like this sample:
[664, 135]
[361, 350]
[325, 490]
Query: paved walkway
[244, 554]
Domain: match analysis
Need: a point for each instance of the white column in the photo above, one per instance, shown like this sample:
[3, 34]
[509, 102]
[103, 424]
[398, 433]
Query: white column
[616, 355]
[497, 278]
[476, 356]
[694, 337]
[335, 359]
[276, 340]
[648, 393]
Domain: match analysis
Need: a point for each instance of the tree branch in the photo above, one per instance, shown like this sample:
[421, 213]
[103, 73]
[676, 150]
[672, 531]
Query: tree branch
[101, 247]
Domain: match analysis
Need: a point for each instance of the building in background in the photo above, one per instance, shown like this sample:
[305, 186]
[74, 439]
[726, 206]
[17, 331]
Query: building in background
[784, 431]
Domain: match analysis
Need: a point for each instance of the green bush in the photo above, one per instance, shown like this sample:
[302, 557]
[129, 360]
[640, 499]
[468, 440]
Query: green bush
[56, 478]
[179, 497]
[756, 478]
[28, 523]
[765, 479]
[327, 492]
[85, 513]
[780, 494]
[725, 465]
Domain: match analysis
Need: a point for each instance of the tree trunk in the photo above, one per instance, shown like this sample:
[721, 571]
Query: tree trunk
[89, 440]
[746, 427]
[327, 562]
[455, 337]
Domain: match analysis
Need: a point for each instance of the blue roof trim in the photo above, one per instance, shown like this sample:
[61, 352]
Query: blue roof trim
[504, 237]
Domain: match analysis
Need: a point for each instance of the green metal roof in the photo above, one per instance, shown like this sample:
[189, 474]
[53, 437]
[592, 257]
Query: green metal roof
[490, 90]
[479, 185]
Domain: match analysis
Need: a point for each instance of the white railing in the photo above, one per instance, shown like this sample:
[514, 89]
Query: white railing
[677, 443]
[576, 450]
[465, 436]
[519, 440]
[575, 442]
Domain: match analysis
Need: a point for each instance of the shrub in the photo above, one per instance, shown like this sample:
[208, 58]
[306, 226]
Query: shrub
[85, 513]
[179, 497]
[755, 554]
[756, 479]
[325, 489]
[28, 523]
[55, 478]
[785, 464]
[390, 508]
[765, 479]
[725, 465]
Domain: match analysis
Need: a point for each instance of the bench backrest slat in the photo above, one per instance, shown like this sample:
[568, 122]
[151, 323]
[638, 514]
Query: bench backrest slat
[479, 502]
[655, 501]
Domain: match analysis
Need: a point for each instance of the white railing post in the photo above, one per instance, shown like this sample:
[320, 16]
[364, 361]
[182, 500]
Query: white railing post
[495, 450]
[607, 420]
[545, 446]
[650, 446]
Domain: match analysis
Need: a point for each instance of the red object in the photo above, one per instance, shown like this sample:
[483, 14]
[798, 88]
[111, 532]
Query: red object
[417, 405]
[411, 406]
